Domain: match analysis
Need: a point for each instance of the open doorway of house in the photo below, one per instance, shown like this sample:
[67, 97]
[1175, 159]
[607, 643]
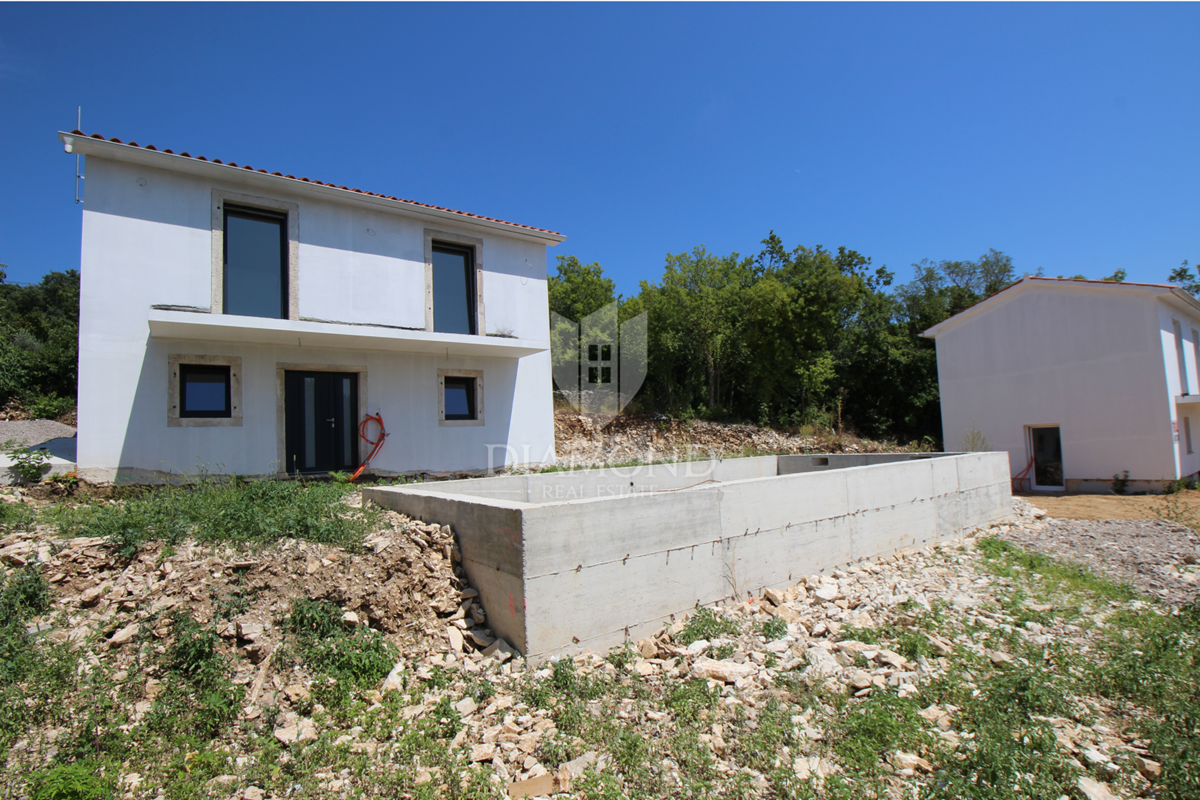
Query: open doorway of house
[1046, 444]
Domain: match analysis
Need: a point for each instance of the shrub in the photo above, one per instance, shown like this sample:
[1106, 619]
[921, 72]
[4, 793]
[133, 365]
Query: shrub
[691, 697]
[23, 595]
[1006, 759]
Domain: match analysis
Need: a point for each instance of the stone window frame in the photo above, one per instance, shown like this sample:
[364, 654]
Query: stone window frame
[447, 372]
[219, 198]
[434, 236]
[281, 370]
[234, 420]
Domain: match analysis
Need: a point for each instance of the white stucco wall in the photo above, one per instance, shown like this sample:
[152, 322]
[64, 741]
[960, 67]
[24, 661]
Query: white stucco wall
[147, 241]
[1087, 358]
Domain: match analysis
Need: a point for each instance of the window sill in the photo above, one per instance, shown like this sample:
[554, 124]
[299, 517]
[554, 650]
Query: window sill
[300, 333]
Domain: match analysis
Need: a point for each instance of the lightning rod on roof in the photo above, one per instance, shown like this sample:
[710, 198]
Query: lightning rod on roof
[78, 175]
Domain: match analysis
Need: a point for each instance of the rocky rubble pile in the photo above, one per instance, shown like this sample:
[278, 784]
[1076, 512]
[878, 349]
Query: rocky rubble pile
[401, 583]
[404, 582]
[579, 441]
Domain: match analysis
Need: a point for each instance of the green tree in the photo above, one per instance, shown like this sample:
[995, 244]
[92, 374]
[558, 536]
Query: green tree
[579, 289]
[1186, 279]
[696, 347]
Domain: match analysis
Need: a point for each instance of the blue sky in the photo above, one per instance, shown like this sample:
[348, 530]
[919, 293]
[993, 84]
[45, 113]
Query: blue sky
[1064, 135]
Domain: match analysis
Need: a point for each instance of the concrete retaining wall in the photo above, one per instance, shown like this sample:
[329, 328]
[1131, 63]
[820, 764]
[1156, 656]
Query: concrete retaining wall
[590, 558]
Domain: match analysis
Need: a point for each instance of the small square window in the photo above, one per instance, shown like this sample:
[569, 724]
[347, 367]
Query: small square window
[593, 374]
[459, 398]
[606, 374]
[593, 352]
[204, 391]
[606, 353]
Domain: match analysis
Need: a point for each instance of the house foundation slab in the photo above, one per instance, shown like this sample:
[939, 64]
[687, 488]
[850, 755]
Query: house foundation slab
[565, 561]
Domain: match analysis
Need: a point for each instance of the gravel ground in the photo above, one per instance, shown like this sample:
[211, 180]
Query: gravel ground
[34, 431]
[1156, 557]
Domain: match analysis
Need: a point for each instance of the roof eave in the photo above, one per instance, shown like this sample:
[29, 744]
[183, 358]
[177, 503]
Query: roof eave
[1187, 298]
[74, 143]
[953, 320]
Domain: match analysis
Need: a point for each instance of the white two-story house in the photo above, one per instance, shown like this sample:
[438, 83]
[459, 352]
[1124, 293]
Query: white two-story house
[1078, 380]
[246, 322]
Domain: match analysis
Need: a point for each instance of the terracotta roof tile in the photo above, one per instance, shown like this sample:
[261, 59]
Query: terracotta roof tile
[185, 154]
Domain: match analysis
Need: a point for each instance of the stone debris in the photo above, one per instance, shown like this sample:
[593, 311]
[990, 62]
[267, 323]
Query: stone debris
[125, 635]
[1094, 790]
[1150, 770]
[911, 762]
[296, 729]
[724, 671]
[1158, 558]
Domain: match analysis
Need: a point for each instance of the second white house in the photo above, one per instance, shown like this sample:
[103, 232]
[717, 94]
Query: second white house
[1079, 381]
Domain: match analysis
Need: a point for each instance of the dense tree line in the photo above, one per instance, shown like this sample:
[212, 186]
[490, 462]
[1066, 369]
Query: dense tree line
[791, 337]
[39, 343]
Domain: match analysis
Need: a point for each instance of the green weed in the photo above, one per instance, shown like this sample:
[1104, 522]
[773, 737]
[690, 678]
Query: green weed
[691, 699]
[77, 781]
[706, 624]
[197, 698]
[222, 510]
[16, 516]
[772, 629]
[1001, 557]
[351, 658]
[877, 727]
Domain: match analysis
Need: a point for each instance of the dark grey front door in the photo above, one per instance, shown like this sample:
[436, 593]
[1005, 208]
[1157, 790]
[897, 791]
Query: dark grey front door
[321, 416]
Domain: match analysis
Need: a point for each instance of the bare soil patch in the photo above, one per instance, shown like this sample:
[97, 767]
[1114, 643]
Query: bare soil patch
[1109, 506]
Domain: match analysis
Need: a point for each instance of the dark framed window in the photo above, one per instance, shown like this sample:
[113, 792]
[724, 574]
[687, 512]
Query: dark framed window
[256, 263]
[453, 289]
[459, 397]
[204, 391]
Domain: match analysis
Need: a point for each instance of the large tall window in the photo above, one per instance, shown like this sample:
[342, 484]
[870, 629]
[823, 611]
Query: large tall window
[453, 289]
[1183, 376]
[256, 266]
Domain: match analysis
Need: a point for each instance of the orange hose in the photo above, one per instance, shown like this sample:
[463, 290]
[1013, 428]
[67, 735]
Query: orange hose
[1021, 477]
[375, 445]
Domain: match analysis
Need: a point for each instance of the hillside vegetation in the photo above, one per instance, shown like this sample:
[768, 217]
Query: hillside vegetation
[39, 346]
[791, 338]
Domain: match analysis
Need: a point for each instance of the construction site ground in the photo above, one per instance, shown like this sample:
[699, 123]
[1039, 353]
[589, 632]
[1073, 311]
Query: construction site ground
[347, 657]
